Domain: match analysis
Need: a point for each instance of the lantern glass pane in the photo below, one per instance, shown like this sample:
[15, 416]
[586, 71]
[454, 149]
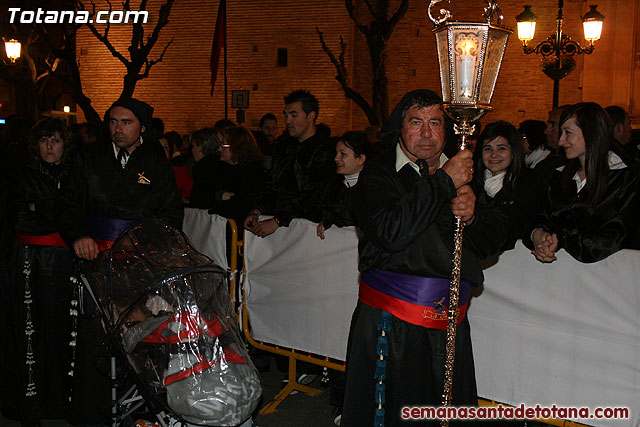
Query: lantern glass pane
[526, 30]
[592, 30]
[467, 50]
[442, 44]
[496, 46]
[13, 49]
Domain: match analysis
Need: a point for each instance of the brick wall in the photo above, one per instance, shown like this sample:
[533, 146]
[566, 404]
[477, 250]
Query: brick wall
[178, 87]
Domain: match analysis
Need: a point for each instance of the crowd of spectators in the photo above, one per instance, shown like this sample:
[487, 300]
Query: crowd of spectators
[569, 183]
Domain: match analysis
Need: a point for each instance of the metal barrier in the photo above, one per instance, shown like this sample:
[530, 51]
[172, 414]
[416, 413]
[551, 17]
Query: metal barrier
[292, 354]
[236, 246]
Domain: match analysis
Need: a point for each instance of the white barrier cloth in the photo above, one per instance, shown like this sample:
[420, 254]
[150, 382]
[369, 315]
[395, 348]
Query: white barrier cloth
[301, 291]
[207, 233]
[564, 333]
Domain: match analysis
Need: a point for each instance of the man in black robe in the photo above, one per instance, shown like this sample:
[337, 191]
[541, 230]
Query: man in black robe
[116, 183]
[302, 165]
[405, 204]
[111, 186]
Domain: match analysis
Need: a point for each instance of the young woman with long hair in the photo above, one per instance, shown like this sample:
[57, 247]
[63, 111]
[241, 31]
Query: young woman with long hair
[592, 208]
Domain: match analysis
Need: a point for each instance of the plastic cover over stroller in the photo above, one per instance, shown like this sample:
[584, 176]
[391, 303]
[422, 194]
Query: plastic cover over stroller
[167, 309]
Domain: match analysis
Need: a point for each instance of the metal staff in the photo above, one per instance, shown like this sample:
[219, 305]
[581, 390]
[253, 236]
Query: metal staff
[466, 130]
[469, 55]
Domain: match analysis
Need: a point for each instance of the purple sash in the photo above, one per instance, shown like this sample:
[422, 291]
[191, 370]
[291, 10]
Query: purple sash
[422, 301]
[107, 228]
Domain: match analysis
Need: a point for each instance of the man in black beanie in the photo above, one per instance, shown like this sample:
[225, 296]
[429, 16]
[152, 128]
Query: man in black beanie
[112, 185]
[116, 183]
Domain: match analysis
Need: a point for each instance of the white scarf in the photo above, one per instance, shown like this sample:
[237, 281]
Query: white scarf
[493, 183]
[536, 156]
[351, 180]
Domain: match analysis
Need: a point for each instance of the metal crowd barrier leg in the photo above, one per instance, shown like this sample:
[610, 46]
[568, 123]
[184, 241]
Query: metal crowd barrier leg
[233, 262]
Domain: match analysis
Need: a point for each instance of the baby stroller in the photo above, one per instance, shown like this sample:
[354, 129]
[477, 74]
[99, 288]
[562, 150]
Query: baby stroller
[167, 312]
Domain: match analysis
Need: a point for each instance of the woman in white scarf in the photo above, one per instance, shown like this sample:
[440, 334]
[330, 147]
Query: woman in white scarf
[503, 181]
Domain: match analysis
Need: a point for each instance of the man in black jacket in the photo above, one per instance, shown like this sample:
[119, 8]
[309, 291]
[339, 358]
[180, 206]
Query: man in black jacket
[405, 204]
[302, 165]
[112, 185]
[116, 183]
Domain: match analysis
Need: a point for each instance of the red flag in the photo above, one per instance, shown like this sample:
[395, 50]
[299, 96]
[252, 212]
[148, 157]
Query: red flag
[218, 42]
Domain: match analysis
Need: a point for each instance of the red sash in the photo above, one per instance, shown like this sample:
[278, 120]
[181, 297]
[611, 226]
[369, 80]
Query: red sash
[52, 239]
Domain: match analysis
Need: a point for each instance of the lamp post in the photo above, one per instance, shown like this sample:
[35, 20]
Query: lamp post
[558, 49]
[12, 48]
[470, 55]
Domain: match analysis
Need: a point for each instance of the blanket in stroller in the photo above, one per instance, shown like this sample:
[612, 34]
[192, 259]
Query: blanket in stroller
[168, 310]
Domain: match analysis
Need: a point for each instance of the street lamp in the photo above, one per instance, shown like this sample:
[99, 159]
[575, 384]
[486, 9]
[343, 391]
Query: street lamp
[558, 49]
[12, 48]
[470, 55]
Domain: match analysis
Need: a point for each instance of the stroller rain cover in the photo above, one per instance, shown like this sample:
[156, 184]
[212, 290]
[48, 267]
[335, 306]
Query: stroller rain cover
[167, 309]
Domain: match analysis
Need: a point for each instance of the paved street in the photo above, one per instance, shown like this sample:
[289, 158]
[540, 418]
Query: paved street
[298, 410]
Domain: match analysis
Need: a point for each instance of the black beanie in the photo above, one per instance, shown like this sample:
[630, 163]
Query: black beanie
[142, 110]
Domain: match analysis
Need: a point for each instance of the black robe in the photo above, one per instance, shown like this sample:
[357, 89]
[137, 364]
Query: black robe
[98, 185]
[209, 176]
[337, 205]
[592, 236]
[299, 175]
[406, 226]
[241, 180]
[31, 200]
[521, 207]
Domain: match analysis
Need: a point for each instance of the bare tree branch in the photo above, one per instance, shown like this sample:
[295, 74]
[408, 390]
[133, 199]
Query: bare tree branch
[104, 38]
[372, 11]
[163, 20]
[397, 16]
[342, 76]
[352, 14]
[377, 33]
[149, 64]
[139, 49]
[72, 81]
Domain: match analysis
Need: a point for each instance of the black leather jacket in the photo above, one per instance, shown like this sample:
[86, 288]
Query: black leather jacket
[406, 224]
[299, 176]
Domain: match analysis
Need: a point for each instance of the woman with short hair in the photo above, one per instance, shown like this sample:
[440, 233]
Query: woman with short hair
[244, 173]
[353, 150]
[38, 355]
[209, 171]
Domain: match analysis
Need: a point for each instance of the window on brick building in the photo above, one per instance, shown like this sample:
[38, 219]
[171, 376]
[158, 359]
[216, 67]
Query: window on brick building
[282, 57]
